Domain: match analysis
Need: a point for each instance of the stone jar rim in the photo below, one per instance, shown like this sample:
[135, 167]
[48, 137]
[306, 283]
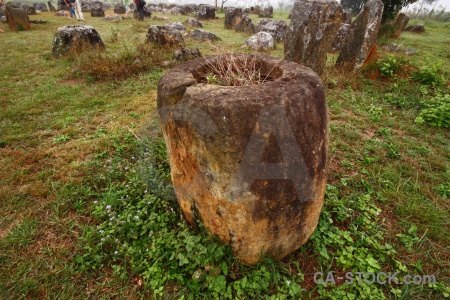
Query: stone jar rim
[283, 73]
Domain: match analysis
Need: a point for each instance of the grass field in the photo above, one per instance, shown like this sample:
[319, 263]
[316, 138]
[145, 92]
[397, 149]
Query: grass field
[86, 206]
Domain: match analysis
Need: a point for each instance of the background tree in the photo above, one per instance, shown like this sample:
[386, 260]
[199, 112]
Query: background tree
[391, 7]
[352, 5]
[223, 2]
[425, 2]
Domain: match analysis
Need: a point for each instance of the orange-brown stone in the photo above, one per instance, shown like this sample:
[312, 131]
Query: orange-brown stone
[17, 18]
[249, 162]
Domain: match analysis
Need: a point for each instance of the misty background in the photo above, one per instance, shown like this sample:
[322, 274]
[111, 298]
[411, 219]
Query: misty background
[287, 4]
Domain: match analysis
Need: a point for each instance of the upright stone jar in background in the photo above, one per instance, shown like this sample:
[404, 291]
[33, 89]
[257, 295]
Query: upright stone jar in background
[363, 36]
[233, 17]
[314, 25]
[72, 39]
[250, 161]
[400, 24]
[16, 17]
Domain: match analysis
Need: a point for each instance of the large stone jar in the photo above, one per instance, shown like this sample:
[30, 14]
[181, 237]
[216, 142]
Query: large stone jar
[72, 39]
[249, 161]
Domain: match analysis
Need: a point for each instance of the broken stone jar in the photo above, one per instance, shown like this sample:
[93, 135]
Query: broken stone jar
[249, 161]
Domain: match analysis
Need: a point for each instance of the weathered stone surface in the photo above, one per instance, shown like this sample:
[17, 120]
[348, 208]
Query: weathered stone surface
[154, 8]
[160, 18]
[249, 162]
[97, 9]
[61, 13]
[343, 34]
[347, 16]
[159, 35]
[193, 23]
[255, 10]
[14, 4]
[206, 12]
[261, 41]
[119, 8]
[313, 27]
[114, 17]
[400, 24]
[85, 6]
[17, 18]
[416, 28]
[175, 11]
[74, 39]
[29, 9]
[233, 17]
[186, 54]
[246, 25]
[95, 12]
[266, 12]
[399, 49]
[175, 26]
[364, 34]
[51, 7]
[203, 35]
[187, 9]
[40, 7]
[146, 11]
[277, 28]
[61, 6]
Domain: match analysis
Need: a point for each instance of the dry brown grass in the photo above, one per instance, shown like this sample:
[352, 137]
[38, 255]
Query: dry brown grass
[120, 64]
[229, 69]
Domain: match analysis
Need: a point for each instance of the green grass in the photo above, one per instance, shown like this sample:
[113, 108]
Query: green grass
[77, 150]
[432, 45]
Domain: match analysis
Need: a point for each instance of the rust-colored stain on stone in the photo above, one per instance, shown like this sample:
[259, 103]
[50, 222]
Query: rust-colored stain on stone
[250, 162]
